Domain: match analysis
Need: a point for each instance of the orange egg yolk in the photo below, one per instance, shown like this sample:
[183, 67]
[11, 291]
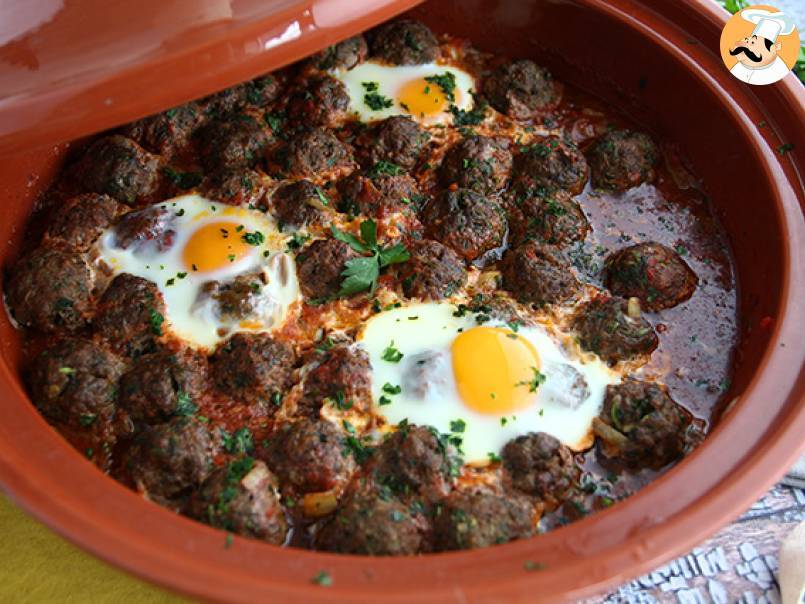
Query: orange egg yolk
[494, 370]
[422, 98]
[214, 246]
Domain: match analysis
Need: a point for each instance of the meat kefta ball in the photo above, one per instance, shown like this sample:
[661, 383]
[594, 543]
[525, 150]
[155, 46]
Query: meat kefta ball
[538, 274]
[312, 152]
[398, 140]
[377, 195]
[299, 203]
[468, 222]
[551, 217]
[652, 272]
[551, 163]
[433, 271]
[622, 159]
[236, 142]
[404, 42]
[344, 55]
[479, 163]
[522, 89]
[320, 266]
[322, 102]
[50, 290]
[166, 133]
[77, 223]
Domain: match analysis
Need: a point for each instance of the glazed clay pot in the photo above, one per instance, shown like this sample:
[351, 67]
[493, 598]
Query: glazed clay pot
[659, 62]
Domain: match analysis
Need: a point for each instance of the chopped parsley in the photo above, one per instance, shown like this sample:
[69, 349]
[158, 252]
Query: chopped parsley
[342, 403]
[182, 180]
[66, 370]
[322, 197]
[240, 441]
[255, 238]
[392, 354]
[323, 579]
[493, 457]
[783, 149]
[184, 404]
[447, 82]
[458, 425]
[156, 320]
[87, 420]
[373, 99]
[391, 389]
[383, 400]
[297, 240]
[384, 167]
[472, 117]
[535, 382]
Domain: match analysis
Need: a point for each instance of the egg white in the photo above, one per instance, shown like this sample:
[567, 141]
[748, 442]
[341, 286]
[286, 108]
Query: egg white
[426, 332]
[189, 316]
[391, 79]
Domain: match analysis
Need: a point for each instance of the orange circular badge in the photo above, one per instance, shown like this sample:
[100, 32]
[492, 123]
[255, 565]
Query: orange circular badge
[759, 44]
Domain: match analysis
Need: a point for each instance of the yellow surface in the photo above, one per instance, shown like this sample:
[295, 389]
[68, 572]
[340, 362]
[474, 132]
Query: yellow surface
[38, 566]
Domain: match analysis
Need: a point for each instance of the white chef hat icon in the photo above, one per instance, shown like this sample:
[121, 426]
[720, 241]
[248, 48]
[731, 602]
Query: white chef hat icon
[768, 25]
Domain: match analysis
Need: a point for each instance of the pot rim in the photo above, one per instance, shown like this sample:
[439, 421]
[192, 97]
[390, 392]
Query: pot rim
[751, 453]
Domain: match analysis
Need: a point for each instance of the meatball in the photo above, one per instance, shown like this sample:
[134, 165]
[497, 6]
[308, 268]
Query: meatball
[522, 89]
[308, 455]
[622, 159]
[655, 274]
[237, 188]
[167, 459]
[480, 163]
[299, 204]
[313, 152]
[235, 143]
[433, 271]
[79, 221]
[413, 461]
[470, 519]
[323, 101]
[605, 327]
[538, 274]
[147, 228]
[163, 384]
[398, 140]
[253, 367]
[466, 221]
[549, 217]
[320, 265]
[119, 167]
[51, 290]
[256, 93]
[241, 498]
[344, 376]
[640, 426]
[404, 42]
[539, 465]
[344, 55]
[75, 381]
[551, 164]
[166, 133]
[130, 316]
[378, 195]
[369, 523]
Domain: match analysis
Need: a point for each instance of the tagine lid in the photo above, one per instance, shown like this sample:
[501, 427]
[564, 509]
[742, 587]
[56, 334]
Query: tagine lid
[69, 68]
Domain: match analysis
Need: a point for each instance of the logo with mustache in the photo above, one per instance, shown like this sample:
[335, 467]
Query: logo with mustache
[749, 54]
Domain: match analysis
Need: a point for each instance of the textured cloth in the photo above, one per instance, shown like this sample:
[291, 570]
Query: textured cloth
[796, 476]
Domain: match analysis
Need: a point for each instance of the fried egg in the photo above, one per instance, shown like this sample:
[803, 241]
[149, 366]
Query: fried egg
[434, 364]
[424, 92]
[202, 256]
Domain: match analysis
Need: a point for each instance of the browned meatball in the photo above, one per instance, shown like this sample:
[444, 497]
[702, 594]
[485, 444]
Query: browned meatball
[241, 497]
[313, 152]
[130, 316]
[538, 274]
[652, 272]
[480, 163]
[51, 290]
[235, 143]
[320, 266]
[371, 524]
[254, 368]
[605, 328]
[323, 101]
[433, 271]
[119, 167]
[539, 465]
[149, 228]
[163, 384]
[344, 55]
[79, 221]
[299, 204]
[466, 221]
[522, 89]
[308, 455]
[398, 140]
[640, 425]
[168, 132]
[552, 163]
[404, 42]
[470, 519]
[413, 461]
[75, 381]
[377, 195]
[622, 159]
[237, 188]
[549, 217]
[343, 375]
[256, 93]
[168, 459]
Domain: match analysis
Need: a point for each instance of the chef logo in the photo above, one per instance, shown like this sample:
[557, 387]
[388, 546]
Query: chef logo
[759, 44]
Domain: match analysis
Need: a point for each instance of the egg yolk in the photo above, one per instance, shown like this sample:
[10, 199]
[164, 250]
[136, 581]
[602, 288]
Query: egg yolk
[495, 370]
[422, 98]
[216, 245]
